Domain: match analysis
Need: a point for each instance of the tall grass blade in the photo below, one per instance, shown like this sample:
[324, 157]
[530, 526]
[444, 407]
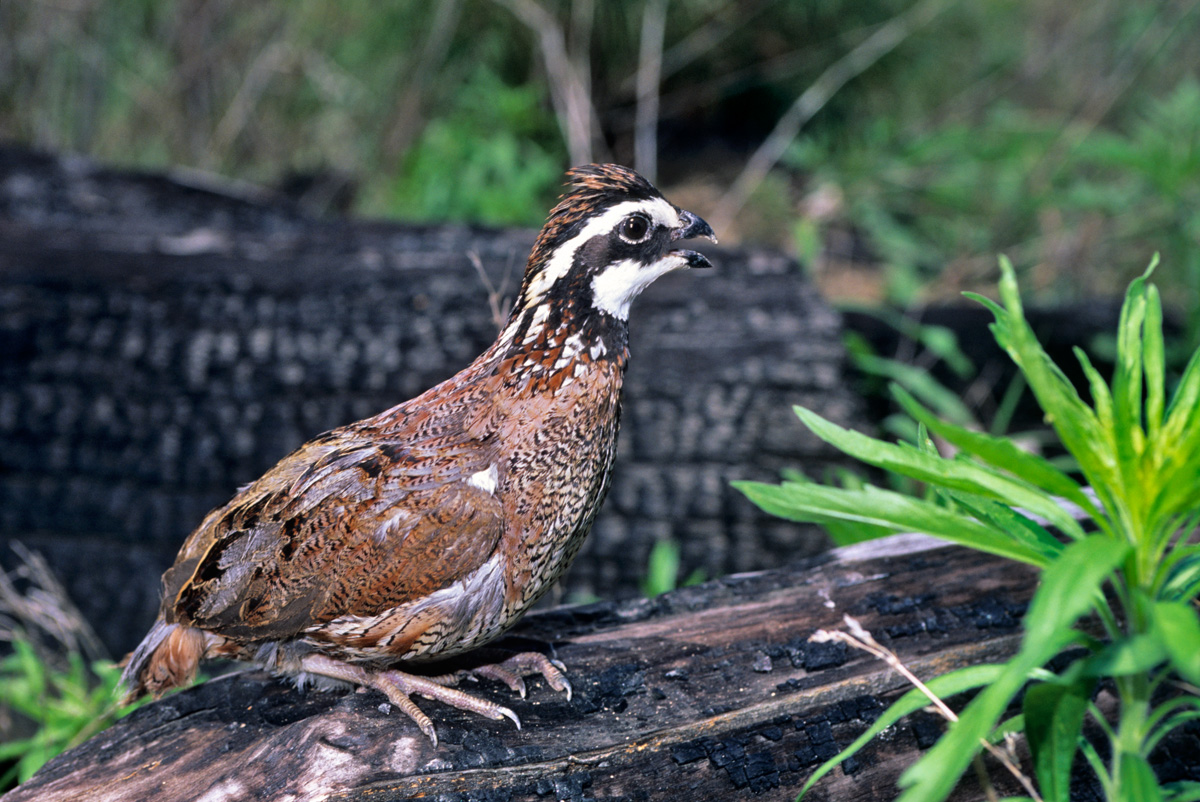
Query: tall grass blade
[945, 686]
[1070, 587]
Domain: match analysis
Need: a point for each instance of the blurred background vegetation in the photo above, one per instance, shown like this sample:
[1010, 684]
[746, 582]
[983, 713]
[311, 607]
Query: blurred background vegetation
[917, 141]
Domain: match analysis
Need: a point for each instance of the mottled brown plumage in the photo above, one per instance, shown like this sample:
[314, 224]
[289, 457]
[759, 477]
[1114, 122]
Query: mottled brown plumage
[429, 529]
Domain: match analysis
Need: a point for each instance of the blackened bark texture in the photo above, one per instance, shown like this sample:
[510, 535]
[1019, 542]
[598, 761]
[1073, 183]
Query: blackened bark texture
[163, 342]
[706, 693]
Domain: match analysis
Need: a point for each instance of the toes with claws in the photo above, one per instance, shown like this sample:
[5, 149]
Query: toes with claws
[512, 669]
[399, 686]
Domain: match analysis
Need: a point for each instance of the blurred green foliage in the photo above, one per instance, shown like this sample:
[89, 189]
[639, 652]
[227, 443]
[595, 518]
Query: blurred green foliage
[662, 570]
[506, 163]
[1064, 137]
[65, 705]
[1015, 183]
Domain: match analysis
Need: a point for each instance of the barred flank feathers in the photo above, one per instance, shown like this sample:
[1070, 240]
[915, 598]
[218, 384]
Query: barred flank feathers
[166, 658]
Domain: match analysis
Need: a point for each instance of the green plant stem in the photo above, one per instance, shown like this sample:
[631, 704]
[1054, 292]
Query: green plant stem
[1111, 625]
[1134, 693]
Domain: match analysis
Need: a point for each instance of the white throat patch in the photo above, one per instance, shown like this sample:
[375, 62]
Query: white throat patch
[615, 287]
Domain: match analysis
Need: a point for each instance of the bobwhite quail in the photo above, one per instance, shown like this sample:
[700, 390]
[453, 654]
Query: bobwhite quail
[429, 529]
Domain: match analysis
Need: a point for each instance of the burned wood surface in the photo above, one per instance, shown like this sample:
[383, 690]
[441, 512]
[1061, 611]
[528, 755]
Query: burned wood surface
[163, 342]
[706, 693]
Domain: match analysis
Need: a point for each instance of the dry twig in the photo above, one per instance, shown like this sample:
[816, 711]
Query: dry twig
[498, 301]
[649, 78]
[859, 638]
[407, 119]
[34, 604]
[579, 47]
[568, 89]
[271, 59]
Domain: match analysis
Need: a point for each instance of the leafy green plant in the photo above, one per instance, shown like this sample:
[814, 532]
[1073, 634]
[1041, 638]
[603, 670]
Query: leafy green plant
[1129, 560]
[662, 570]
[65, 705]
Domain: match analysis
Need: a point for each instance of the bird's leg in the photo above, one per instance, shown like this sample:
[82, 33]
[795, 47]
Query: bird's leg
[397, 686]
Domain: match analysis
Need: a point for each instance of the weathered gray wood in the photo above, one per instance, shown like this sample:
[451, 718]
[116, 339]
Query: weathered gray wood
[162, 344]
[710, 692]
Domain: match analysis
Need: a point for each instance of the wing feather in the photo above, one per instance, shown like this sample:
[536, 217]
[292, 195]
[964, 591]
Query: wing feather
[347, 525]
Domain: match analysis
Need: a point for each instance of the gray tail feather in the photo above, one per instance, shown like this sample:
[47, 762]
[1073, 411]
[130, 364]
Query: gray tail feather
[131, 686]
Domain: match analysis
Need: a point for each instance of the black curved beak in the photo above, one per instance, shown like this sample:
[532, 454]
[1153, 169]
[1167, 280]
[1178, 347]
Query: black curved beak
[692, 228]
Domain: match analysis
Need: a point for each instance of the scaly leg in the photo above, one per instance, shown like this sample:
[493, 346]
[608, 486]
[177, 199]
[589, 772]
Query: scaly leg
[397, 686]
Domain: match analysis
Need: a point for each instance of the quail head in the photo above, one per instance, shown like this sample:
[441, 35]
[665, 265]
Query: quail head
[429, 529]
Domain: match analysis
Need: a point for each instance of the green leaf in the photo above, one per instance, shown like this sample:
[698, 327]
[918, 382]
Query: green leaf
[1178, 629]
[1074, 421]
[918, 381]
[883, 508]
[1168, 715]
[1183, 791]
[1132, 655]
[1070, 587]
[1002, 453]
[1137, 780]
[1183, 414]
[1102, 398]
[12, 749]
[67, 705]
[1183, 572]
[1127, 374]
[31, 670]
[944, 687]
[934, 776]
[843, 533]
[1155, 361]
[953, 474]
[1005, 519]
[998, 311]
[1167, 725]
[1097, 764]
[662, 570]
[1053, 723]
[1012, 726]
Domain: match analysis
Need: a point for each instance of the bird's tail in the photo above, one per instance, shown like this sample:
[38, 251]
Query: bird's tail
[166, 658]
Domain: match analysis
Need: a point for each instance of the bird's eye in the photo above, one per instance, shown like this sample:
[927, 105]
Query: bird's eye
[634, 228]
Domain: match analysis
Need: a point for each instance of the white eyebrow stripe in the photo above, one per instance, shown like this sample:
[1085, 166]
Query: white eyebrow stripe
[660, 212]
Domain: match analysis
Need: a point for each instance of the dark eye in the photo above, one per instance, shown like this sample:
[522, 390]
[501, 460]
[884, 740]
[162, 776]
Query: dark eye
[634, 228]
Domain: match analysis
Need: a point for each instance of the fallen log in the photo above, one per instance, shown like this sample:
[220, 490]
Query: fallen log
[709, 692]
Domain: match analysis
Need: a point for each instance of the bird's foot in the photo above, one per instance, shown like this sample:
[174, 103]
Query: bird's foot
[512, 670]
[399, 686]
